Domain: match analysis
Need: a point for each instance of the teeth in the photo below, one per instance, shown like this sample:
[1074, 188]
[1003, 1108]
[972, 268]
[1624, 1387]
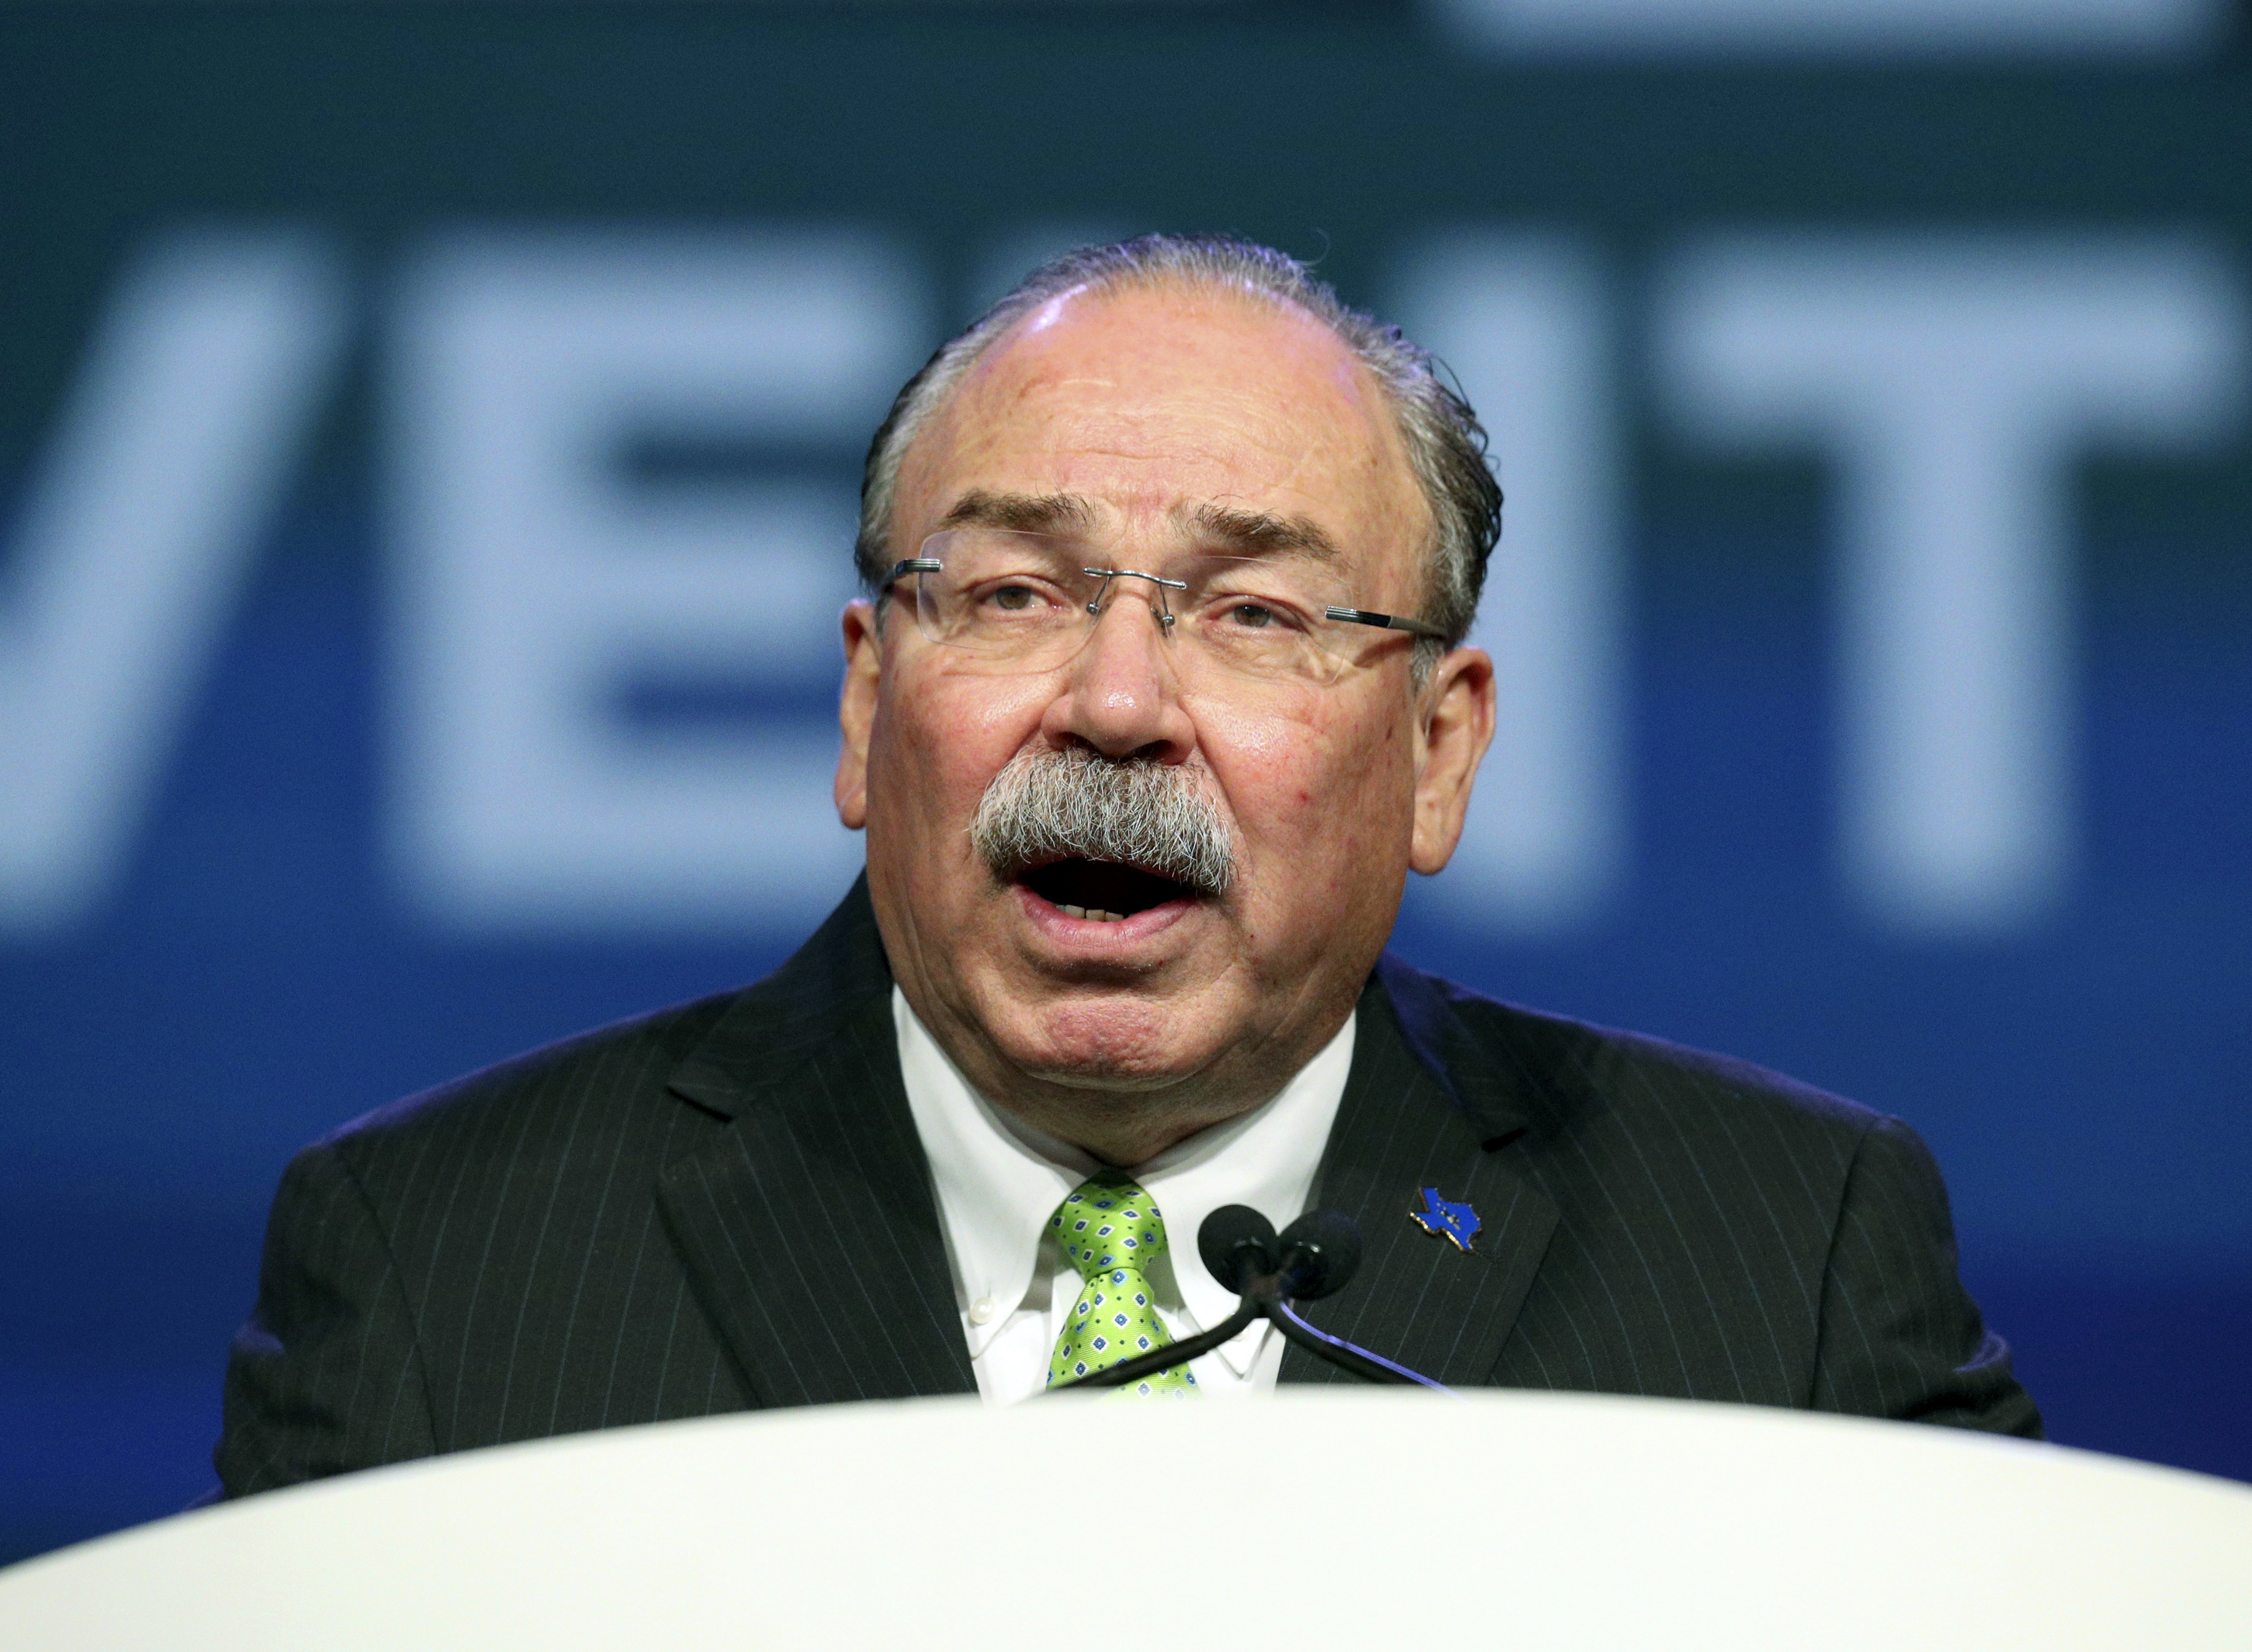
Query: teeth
[1074, 912]
[1096, 913]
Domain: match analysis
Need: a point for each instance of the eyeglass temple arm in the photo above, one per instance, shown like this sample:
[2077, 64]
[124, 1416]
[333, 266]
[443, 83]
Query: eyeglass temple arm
[1388, 622]
[913, 564]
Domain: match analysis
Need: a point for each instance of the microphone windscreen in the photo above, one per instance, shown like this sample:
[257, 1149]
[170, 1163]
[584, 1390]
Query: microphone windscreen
[1320, 1251]
[1237, 1245]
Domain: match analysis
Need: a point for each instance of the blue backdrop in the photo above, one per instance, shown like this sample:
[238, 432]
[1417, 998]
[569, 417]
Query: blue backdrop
[429, 442]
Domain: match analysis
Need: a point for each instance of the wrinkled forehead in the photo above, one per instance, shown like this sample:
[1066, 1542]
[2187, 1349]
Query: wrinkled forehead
[1172, 414]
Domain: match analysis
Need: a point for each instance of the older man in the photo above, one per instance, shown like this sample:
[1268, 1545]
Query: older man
[1157, 697]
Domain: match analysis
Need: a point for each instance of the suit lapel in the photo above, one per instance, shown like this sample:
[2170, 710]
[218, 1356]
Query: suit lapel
[1422, 1110]
[805, 1218]
[806, 1222]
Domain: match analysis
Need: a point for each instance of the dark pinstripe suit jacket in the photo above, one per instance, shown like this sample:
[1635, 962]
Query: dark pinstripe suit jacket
[726, 1205]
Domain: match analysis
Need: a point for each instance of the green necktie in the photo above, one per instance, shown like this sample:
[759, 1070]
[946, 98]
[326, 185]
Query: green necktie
[1110, 1231]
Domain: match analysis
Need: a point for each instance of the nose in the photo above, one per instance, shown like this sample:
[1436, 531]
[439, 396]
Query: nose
[1120, 694]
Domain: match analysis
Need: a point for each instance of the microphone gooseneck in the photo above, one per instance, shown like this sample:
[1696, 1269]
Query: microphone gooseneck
[1344, 1356]
[1312, 1258]
[1172, 1354]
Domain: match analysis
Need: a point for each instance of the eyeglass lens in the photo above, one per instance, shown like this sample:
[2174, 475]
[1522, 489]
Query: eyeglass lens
[1028, 603]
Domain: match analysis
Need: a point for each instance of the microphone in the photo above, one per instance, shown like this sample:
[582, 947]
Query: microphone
[1310, 1258]
[1238, 1246]
[1320, 1251]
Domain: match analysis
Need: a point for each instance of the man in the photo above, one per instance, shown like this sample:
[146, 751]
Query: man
[1157, 698]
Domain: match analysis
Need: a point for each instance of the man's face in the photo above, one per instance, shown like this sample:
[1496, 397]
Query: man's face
[1153, 412]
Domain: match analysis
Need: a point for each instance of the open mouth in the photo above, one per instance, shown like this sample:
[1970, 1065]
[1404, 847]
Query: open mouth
[1105, 891]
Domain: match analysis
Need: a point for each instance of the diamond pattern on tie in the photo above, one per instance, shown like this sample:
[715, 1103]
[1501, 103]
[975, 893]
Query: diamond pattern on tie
[1110, 1230]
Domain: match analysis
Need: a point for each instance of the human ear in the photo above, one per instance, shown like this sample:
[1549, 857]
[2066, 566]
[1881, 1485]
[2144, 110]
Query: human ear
[1455, 726]
[856, 710]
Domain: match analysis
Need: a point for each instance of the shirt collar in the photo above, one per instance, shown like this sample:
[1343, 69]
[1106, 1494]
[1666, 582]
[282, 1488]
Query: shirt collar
[999, 1182]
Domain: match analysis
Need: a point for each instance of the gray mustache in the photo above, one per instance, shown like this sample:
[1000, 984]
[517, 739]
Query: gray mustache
[1079, 804]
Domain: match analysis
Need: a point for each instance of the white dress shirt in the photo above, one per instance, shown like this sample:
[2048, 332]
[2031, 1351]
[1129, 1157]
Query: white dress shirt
[999, 1182]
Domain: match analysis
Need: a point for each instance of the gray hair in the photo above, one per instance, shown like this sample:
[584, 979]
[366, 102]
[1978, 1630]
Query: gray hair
[1445, 444]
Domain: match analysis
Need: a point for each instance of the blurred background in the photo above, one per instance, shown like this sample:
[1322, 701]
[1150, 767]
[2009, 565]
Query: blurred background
[428, 438]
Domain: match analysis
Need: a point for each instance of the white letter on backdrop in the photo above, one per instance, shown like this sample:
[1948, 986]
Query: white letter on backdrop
[1955, 379]
[1522, 320]
[1865, 29]
[536, 581]
[137, 534]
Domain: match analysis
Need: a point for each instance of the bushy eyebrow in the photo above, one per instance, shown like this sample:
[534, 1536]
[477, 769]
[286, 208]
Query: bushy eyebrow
[1228, 528]
[1019, 512]
[1260, 533]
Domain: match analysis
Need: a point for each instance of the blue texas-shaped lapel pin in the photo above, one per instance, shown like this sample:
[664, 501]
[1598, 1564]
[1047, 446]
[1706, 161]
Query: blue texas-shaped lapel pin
[1459, 1221]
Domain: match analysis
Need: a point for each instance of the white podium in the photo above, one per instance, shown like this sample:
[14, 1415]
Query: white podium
[1351, 1517]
